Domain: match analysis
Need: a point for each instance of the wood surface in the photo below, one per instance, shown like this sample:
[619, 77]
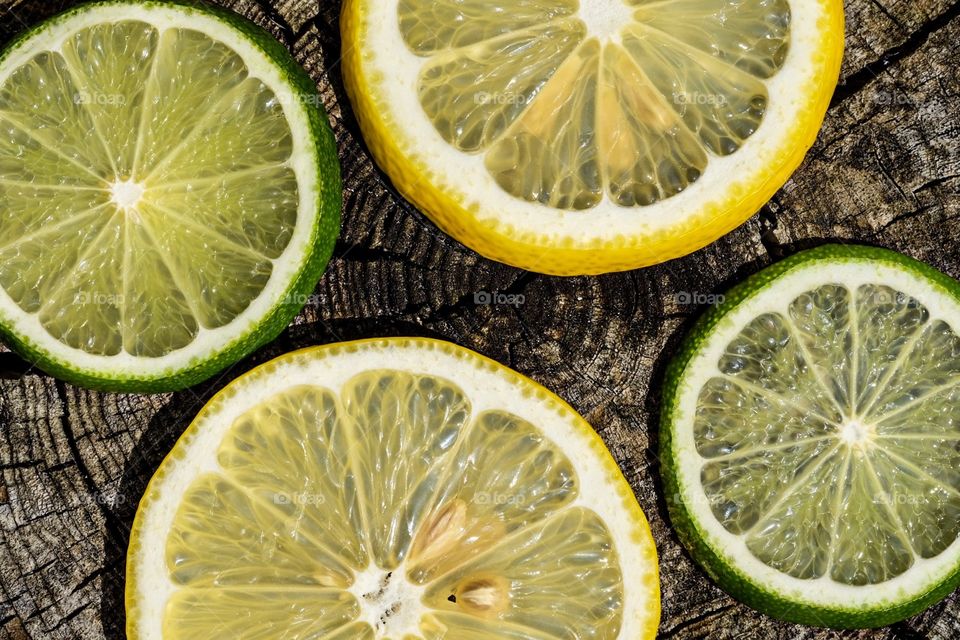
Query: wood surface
[885, 171]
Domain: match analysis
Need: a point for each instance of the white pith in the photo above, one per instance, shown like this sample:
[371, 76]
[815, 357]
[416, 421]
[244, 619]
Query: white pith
[857, 434]
[394, 70]
[303, 160]
[731, 549]
[126, 194]
[487, 388]
[605, 18]
[390, 604]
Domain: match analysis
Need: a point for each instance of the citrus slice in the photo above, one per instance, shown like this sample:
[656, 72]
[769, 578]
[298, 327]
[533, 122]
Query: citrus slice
[169, 193]
[810, 439]
[399, 488]
[574, 137]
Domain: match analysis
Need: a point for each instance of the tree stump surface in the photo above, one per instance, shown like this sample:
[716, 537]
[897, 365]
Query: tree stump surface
[885, 171]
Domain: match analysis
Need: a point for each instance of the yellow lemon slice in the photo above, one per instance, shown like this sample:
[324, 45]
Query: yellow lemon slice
[584, 137]
[399, 488]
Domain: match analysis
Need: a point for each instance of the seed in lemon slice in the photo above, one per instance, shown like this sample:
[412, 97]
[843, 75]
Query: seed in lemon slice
[810, 440]
[169, 193]
[399, 488]
[574, 137]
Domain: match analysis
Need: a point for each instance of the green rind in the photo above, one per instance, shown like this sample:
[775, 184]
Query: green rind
[728, 577]
[324, 233]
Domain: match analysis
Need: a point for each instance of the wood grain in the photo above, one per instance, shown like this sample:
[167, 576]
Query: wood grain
[885, 171]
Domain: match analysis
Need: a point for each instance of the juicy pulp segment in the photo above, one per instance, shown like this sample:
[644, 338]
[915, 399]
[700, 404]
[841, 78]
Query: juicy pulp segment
[473, 120]
[161, 167]
[396, 474]
[752, 35]
[550, 154]
[566, 117]
[842, 400]
[429, 26]
[568, 560]
[504, 477]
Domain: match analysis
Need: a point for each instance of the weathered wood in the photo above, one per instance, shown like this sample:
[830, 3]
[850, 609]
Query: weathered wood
[886, 171]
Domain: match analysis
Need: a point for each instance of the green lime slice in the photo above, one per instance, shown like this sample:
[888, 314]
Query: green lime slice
[811, 438]
[169, 193]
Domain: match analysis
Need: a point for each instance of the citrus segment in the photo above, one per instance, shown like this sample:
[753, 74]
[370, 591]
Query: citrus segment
[648, 154]
[218, 284]
[569, 558]
[550, 154]
[929, 359]
[449, 85]
[720, 104]
[768, 354]
[931, 525]
[50, 149]
[245, 129]
[743, 489]
[91, 322]
[429, 26]
[774, 421]
[304, 613]
[404, 428]
[248, 526]
[255, 209]
[796, 515]
[889, 322]
[753, 36]
[23, 261]
[181, 96]
[504, 477]
[300, 430]
[107, 64]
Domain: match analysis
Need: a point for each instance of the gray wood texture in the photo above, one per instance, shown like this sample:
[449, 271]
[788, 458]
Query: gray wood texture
[885, 171]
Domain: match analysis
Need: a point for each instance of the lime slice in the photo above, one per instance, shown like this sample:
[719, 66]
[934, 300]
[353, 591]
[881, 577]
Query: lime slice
[587, 136]
[400, 488]
[169, 193]
[810, 438]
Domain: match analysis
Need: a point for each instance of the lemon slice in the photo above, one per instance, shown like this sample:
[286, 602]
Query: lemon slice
[583, 137]
[399, 488]
[810, 440]
[169, 193]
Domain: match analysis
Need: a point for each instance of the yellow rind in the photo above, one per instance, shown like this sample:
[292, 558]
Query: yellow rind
[641, 534]
[570, 255]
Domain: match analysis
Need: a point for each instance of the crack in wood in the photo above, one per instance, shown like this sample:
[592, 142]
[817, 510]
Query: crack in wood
[855, 82]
